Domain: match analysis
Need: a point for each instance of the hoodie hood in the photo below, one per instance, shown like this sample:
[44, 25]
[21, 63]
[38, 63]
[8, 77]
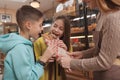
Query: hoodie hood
[9, 41]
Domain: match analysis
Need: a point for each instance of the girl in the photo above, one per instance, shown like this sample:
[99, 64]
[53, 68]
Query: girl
[60, 29]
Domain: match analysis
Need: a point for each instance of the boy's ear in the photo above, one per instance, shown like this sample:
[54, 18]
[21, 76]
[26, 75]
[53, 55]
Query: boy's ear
[28, 24]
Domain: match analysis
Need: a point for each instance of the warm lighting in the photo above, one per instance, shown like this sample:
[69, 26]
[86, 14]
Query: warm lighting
[0, 23]
[89, 36]
[35, 4]
[47, 25]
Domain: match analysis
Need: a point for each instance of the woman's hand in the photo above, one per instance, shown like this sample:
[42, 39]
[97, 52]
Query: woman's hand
[76, 55]
[65, 62]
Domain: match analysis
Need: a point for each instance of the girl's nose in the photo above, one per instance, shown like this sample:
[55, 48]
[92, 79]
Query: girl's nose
[41, 28]
[56, 29]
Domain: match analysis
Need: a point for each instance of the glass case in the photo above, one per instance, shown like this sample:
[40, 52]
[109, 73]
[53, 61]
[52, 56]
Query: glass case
[10, 27]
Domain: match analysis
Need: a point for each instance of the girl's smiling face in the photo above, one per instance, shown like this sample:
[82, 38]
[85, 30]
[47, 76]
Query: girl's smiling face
[57, 29]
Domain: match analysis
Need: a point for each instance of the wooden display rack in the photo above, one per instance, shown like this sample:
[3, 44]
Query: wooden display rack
[2, 56]
[79, 75]
[70, 11]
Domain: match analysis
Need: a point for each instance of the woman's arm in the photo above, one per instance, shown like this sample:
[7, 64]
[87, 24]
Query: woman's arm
[109, 47]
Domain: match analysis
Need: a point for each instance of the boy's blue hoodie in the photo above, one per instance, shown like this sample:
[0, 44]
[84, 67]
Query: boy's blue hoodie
[19, 63]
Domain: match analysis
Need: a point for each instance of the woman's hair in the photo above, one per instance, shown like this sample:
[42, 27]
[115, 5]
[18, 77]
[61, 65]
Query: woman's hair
[66, 33]
[26, 13]
[108, 5]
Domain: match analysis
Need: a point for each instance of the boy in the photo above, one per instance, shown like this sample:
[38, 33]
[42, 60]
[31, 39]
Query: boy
[20, 63]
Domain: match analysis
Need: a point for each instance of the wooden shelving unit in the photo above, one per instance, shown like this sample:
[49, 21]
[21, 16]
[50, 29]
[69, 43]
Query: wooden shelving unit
[79, 75]
[2, 56]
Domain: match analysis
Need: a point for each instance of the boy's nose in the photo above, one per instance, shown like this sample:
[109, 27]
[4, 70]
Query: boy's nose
[42, 28]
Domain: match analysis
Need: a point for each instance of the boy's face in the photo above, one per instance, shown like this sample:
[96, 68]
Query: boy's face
[36, 28]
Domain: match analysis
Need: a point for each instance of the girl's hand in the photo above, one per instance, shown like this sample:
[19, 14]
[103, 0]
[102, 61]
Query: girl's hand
[62, 44]
[50, 51]
[52, 59]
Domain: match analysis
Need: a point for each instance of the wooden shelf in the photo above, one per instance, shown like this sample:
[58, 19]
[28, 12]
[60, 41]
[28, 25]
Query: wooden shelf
[70, 11]
[80, 34]
[79, 75]
[2, 56]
